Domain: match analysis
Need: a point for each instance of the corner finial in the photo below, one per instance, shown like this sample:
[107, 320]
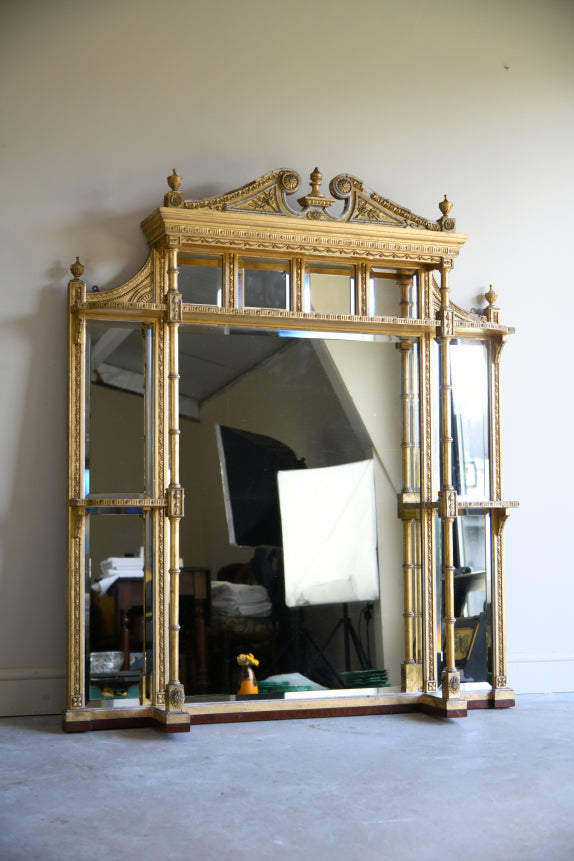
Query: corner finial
[174, 197]
[174, 181]
[445, 206]
[492, 311]
[445, 221]
[76, 268]
[491, 297]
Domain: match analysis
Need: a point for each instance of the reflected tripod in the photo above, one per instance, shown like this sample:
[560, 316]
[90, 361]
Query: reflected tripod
[349, 634]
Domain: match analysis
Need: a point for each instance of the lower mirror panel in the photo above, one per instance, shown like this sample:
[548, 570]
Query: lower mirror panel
[118, 610]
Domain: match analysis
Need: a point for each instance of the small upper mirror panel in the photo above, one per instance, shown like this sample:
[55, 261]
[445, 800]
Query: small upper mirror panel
[391, 293]
[200, 279]
[263, 283]
[116, 373]
[330, 289]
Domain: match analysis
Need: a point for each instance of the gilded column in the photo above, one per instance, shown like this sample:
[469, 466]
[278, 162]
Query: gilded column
[447, 493]
[76, 464]
[297, 284]
[410, 674]
[427, 514]
[498, 515]
[230, 267]
[174, 694]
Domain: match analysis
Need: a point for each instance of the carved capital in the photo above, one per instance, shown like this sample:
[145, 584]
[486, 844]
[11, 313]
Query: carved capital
[447, 504]
[447, 322]
[175, 501]
[174, 307]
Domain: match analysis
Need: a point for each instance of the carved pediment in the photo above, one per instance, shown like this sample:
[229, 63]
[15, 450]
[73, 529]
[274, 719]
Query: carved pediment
[269, 195]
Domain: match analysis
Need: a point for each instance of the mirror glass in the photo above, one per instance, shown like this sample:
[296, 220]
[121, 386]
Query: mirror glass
[119, 608]
[386, 293]
[118, 373]
[472, 598]
[263, 283]
[469, 377]
[200, 279]
[119, 545]
[291, 460]
[471, 546]
[330, 289]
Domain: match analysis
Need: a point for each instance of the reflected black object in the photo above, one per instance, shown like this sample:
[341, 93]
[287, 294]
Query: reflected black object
[250, 463]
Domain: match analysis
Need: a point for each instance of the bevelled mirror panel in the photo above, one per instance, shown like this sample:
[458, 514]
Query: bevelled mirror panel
[200, 279]
[330, 289]
[119, 606]
[392, 294]
[472, 599]
[263, 283]
[118, 366]
[469, 377]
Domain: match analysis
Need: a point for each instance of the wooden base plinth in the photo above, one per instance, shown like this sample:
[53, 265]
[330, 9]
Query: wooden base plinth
[255, 709]
[84, 720]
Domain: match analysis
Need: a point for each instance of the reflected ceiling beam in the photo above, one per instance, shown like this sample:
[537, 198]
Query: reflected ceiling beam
[105, 346]
[129, 381]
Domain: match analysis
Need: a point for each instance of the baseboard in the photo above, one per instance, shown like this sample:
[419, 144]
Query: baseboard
[32, 692]
[546, 675]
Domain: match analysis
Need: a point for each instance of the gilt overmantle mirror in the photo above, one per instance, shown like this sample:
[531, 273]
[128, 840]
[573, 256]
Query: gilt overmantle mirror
[285, 468]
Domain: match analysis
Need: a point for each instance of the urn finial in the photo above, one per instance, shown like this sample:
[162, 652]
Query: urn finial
[76, 268]
[174, 181]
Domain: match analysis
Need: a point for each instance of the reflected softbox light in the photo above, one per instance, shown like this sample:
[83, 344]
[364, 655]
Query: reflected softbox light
[328, 520]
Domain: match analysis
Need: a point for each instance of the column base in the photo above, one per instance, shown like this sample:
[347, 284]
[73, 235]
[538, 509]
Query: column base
[411, 677]
[450, 680]
[174, 697]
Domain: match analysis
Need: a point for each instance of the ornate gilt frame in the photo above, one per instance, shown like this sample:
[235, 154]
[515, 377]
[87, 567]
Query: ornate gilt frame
[257, 218]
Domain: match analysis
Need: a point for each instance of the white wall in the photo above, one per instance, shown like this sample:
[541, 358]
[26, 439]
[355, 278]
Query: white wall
[100, 101]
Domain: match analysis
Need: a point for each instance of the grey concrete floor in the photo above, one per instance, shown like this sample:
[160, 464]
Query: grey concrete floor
[496, 785]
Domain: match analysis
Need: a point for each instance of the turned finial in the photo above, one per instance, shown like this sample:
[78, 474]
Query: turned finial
[316, 178]
[315, 198]
[491, 297]
[174, 181]
[76, 268]
[445, 206]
